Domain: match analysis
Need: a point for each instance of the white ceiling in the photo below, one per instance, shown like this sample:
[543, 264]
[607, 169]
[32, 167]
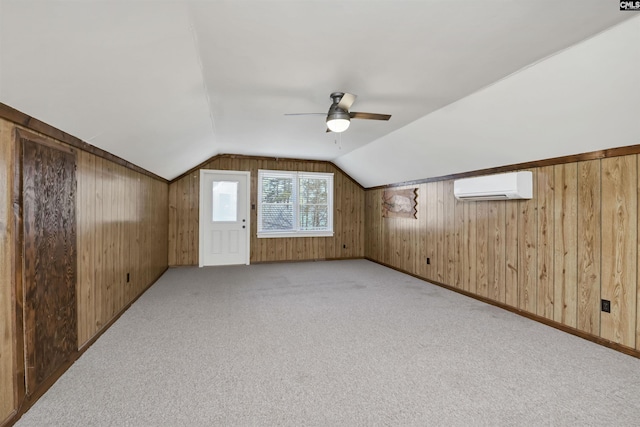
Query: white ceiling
[168, 84]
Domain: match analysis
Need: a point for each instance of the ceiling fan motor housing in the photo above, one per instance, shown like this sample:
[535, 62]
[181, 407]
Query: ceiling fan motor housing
[336, 97]
[336, 112]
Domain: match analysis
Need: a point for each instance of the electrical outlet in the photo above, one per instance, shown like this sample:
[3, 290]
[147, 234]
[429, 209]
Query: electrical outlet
[428, 260]
[605, 305]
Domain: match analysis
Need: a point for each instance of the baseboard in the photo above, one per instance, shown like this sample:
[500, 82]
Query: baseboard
[10, 420]
[307, 260]
[30, 400]
[564, 328]
[280, 260]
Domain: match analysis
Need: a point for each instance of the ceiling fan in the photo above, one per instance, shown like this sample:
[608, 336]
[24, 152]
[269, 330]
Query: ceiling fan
[339, 117]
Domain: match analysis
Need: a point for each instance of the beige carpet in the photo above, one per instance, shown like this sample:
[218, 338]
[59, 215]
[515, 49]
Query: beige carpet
[341, 343]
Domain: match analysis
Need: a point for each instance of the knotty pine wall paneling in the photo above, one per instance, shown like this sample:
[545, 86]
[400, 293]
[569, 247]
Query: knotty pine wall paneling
[565, 238]
[123, 226]
[619, 248]
[349, 212]
[374, 247]
[430, 209]
[590, 246]
[440, 231]
[459, 243]
[497, 264]
[470, 258]
[173, 226]
[194, 216]
[88, 196]
[528, 251]
[482, 252]
[545, 268]
[110, 237]
[493, 251]
[423, 232]
[100, 248]
[399, 241]
[449, 232]
[511, 297]
[131, 235]
[554, 256]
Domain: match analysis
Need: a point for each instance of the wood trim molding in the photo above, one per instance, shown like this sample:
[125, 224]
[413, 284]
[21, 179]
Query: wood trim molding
[592, 155]
[17, 289]
[564, 328]
[242, 156]
[196, 168]
[22, 134]
[35, 125]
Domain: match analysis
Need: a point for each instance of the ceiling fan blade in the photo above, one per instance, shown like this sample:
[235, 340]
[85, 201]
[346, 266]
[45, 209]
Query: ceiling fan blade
[369, 116]
[305, 114]
[347, 101]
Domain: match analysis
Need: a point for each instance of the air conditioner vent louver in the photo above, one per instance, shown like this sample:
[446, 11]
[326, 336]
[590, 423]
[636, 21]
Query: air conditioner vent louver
[505, 186]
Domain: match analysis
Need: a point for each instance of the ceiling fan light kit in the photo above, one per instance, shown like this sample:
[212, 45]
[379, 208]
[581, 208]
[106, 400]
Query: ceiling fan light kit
[338, 122]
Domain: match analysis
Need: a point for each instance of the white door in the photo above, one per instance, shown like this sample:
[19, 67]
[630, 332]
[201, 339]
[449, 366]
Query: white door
[224, 217]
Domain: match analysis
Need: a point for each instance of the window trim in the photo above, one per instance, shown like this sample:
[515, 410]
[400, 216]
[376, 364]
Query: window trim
[296, 176]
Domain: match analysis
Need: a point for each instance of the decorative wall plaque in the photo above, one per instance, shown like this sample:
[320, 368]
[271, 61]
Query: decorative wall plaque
[399, 203]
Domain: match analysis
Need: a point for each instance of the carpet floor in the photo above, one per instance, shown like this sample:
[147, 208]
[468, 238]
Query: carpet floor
[336, 343]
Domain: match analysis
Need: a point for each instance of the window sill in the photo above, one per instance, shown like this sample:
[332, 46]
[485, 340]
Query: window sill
[286, 234]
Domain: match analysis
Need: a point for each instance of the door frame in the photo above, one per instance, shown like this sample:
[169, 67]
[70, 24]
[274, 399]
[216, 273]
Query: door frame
[201, 218]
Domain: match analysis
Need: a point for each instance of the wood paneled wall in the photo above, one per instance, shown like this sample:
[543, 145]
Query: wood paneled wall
[347, 242]
[122, 232]
[122, 224]
[554, 256]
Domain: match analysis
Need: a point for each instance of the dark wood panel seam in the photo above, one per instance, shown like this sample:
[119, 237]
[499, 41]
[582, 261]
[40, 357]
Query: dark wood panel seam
[277, 159]
[33, 124]
[573, 331]
[592, 155]
[28, 403]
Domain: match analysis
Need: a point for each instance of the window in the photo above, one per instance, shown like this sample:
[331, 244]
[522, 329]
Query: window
[295, 204]
[225, 201]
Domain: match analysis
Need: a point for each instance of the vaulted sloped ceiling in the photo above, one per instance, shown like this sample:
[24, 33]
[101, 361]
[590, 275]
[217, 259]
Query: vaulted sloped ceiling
[470, 84]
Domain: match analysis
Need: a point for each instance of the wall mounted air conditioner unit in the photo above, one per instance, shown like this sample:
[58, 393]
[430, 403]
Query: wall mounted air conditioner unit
[504, 186]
